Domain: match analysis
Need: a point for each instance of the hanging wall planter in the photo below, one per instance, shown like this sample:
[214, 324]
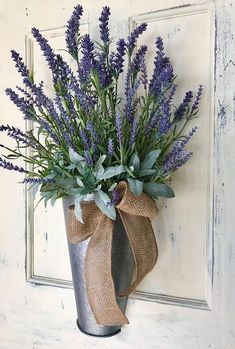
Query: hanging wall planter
[122, 269]
[119, 145]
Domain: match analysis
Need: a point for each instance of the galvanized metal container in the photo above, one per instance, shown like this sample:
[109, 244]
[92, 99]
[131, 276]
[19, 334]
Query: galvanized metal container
[122, 268]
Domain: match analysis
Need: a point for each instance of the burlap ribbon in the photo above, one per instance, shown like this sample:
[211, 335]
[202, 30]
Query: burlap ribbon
[135, 213]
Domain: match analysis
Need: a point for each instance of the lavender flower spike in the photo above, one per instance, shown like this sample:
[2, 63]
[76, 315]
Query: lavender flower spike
[9, 166]
[131, 41]
[119, 128]
[46, 49]
[20, 102]
[88, 158]
[16, 134]
[85, 140]
[91, 130]
[177, 157]
[133, 132]
[72, 31]
[115, 198]
[110, 147]
[37, 180]
[104, 18]
[197, 99]
[117, 59]
[19, 64]
[183, 106]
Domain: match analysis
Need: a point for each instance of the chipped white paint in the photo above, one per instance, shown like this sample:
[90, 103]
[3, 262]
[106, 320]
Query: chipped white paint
[33, 316]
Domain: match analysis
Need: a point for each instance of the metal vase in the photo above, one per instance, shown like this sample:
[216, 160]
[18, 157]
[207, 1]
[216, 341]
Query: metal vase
[122, 268]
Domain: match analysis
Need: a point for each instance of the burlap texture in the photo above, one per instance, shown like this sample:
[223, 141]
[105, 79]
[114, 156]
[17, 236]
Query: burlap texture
[135, 213]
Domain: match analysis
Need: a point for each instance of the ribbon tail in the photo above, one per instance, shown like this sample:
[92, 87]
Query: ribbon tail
[143, 244]
[98, 275]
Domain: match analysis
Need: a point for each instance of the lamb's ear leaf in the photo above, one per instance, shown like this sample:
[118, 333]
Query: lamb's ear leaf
[78, 209]
[150, 159]
[112, 171]
[158, 190]
[147, 172]
[102, 200]
[135, 162]
[135, 186]
[99, 170]
[75, 157]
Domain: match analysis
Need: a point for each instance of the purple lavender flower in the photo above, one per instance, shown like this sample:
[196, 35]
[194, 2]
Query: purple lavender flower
[21, 103]
[104, 73]
[9, 166]
[28, 96]
[187, 138]
[153, 122]
[131, 40]
[197, 99]
[163, 70]
[66, 120]
[159, 44]
[85, 140]
[183, 106]
[88, 59]
[172, 93]
[72, 31]
[110, 147]
[22, 69]
[133, 134]
[144, 74]
[17, 134]
[104, 19]
[114, 199]
[46, 49]
[91, 130]
[177, 157]
[164, 121]
[88, 158]
[130, 93]
[119, 128]
[49, 131]
[37, 180]
[135, 66]
[117, 59]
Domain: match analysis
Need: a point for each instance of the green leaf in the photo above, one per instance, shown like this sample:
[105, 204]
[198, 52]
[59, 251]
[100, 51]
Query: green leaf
[130, 172]
[147, 172]
[135, 162]
[113, 186]
[79, 182]
[135, 185]
[73, 191]
[102, 200]
[158, 190]
[99, 170]
[75, 157]
[78, 209]
[112, 171]
[150, 159]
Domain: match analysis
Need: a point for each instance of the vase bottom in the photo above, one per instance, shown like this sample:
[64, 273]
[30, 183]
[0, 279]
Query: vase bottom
[97, 335]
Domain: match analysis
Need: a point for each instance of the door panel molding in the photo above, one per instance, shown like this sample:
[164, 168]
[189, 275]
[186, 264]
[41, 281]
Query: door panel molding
[32, 277]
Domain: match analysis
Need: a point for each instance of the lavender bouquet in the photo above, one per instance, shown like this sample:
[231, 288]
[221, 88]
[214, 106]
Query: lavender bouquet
[92, 134]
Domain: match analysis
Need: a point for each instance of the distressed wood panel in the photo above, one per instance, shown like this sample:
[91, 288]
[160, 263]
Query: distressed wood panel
[174, 279]
[42, 317]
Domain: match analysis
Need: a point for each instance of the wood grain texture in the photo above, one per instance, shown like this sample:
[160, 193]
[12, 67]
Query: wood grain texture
[42, 317]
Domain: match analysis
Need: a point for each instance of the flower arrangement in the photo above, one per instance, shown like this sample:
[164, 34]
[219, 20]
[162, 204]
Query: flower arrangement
[92, 135]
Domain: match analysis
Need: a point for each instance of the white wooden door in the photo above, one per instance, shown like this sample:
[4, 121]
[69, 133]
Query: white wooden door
[188, 300]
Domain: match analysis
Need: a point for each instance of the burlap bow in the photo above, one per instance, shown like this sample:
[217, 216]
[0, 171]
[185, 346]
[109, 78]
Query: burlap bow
[135, 213]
